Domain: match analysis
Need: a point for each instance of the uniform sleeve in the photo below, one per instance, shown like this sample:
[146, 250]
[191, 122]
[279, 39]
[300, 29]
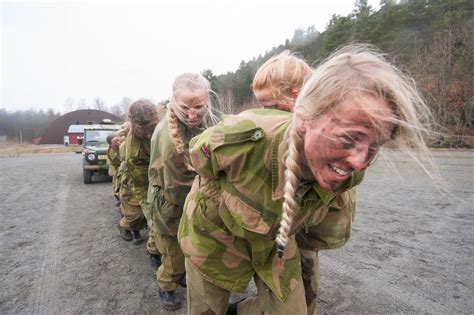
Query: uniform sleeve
[202, 159]
[137, 166]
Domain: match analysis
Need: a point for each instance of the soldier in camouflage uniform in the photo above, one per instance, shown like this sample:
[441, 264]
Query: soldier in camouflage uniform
[170, 180]
[264, 175]
[136, 156]
[122, 133]
[113, 161]
[277, 84]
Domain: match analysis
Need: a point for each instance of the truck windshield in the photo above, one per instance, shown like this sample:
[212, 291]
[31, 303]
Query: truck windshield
[96, 137]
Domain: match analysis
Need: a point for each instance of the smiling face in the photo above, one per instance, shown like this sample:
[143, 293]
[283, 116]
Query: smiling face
[345, 140]
[193, 105]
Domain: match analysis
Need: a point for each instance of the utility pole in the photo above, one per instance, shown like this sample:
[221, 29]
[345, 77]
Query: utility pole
[21, 137]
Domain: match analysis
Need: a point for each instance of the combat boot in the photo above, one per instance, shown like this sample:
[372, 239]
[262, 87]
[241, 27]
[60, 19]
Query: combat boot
[125, 234]
[170, 300]
[136, 237]
[182, 282]
[232, 307]
[155, 262]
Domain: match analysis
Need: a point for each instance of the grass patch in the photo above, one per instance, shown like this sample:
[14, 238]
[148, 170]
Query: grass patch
[14, 148]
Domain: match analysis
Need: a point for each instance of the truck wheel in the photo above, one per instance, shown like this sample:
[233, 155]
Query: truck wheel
[87, 177]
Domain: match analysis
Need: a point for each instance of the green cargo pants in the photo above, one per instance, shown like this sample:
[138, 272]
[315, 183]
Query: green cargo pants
[151, 246]
[132, 215]
[204, 297]
[311, 280]
[172, 270]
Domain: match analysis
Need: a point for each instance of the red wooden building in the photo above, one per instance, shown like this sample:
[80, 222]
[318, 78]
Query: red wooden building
[75, 134]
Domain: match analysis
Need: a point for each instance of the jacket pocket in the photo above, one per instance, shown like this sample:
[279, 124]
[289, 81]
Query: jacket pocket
[244, 215]
[161, 207]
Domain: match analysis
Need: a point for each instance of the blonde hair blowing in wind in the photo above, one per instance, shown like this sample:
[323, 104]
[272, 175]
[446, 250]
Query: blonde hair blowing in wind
[348, 74]
[282, 73]
[186, 82]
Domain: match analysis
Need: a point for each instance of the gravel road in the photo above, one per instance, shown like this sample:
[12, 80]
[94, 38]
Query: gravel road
[60, 252]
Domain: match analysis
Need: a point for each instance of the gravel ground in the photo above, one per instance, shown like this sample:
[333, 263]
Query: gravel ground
[60, 252]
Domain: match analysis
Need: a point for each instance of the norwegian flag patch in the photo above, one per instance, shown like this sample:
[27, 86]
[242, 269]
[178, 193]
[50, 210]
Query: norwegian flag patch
[206, 152]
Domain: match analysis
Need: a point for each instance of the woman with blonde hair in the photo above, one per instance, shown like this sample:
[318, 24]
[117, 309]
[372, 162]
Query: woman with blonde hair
[278, 81]
[277, 84]
[265, 175]
[169, 178]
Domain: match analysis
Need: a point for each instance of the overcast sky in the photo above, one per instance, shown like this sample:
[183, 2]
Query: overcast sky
[52, 51]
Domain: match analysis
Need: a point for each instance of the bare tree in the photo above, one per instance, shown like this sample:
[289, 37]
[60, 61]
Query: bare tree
[99, 104]
[443, 70]
[116, 110]
[124, 104]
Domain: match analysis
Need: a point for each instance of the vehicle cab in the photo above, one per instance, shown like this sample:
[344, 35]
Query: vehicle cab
[94, 150]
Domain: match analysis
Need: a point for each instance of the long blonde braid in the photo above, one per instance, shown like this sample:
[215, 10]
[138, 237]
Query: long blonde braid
[291, 183]
[175, 133]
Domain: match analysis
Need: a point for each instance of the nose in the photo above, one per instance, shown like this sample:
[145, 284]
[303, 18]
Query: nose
[358, 159]
[192, 114]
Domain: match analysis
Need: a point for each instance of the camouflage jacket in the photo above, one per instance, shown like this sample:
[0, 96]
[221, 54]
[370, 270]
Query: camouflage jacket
[120, 170]
[170, 179]
[113, 160]
[233, 211]
[137, 159]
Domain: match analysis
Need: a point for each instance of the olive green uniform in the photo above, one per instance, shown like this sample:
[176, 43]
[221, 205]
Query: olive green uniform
[113, 160]
[134, 151]
[334, 231]
[233, 211]
[169, 183]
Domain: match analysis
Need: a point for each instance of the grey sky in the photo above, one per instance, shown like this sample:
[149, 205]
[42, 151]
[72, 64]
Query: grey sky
[51, 51]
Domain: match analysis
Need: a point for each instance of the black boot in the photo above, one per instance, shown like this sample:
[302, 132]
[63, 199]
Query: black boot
[136, 237]
[170, 300]
[155, 262]
[117, 201]
[125, 234]
[182, 282]
[232, 307]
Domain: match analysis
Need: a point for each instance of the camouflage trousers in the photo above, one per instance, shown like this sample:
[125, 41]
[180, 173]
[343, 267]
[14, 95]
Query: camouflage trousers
[204, 297]
[151, 246]
[132, 215]
[311, 280]
[171, 271]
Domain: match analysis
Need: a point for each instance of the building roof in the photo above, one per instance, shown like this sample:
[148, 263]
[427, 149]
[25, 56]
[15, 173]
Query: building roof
[60, 126]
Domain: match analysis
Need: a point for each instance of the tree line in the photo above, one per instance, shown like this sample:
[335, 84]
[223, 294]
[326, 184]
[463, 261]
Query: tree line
[432, 40]
[30, 125]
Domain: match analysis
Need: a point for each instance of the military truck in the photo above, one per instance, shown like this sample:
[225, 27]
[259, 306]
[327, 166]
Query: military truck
[94, 150]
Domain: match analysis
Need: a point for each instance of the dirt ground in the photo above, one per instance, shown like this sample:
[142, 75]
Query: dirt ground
[60, 252]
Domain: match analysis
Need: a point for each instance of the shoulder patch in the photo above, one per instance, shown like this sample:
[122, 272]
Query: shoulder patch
[205, 151]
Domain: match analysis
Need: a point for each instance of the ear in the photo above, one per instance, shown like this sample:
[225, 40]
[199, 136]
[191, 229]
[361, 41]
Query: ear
[295, 93]
[301, 126]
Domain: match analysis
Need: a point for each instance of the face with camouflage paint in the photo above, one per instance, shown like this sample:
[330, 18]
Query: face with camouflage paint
[193, 105]
[345, 140]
